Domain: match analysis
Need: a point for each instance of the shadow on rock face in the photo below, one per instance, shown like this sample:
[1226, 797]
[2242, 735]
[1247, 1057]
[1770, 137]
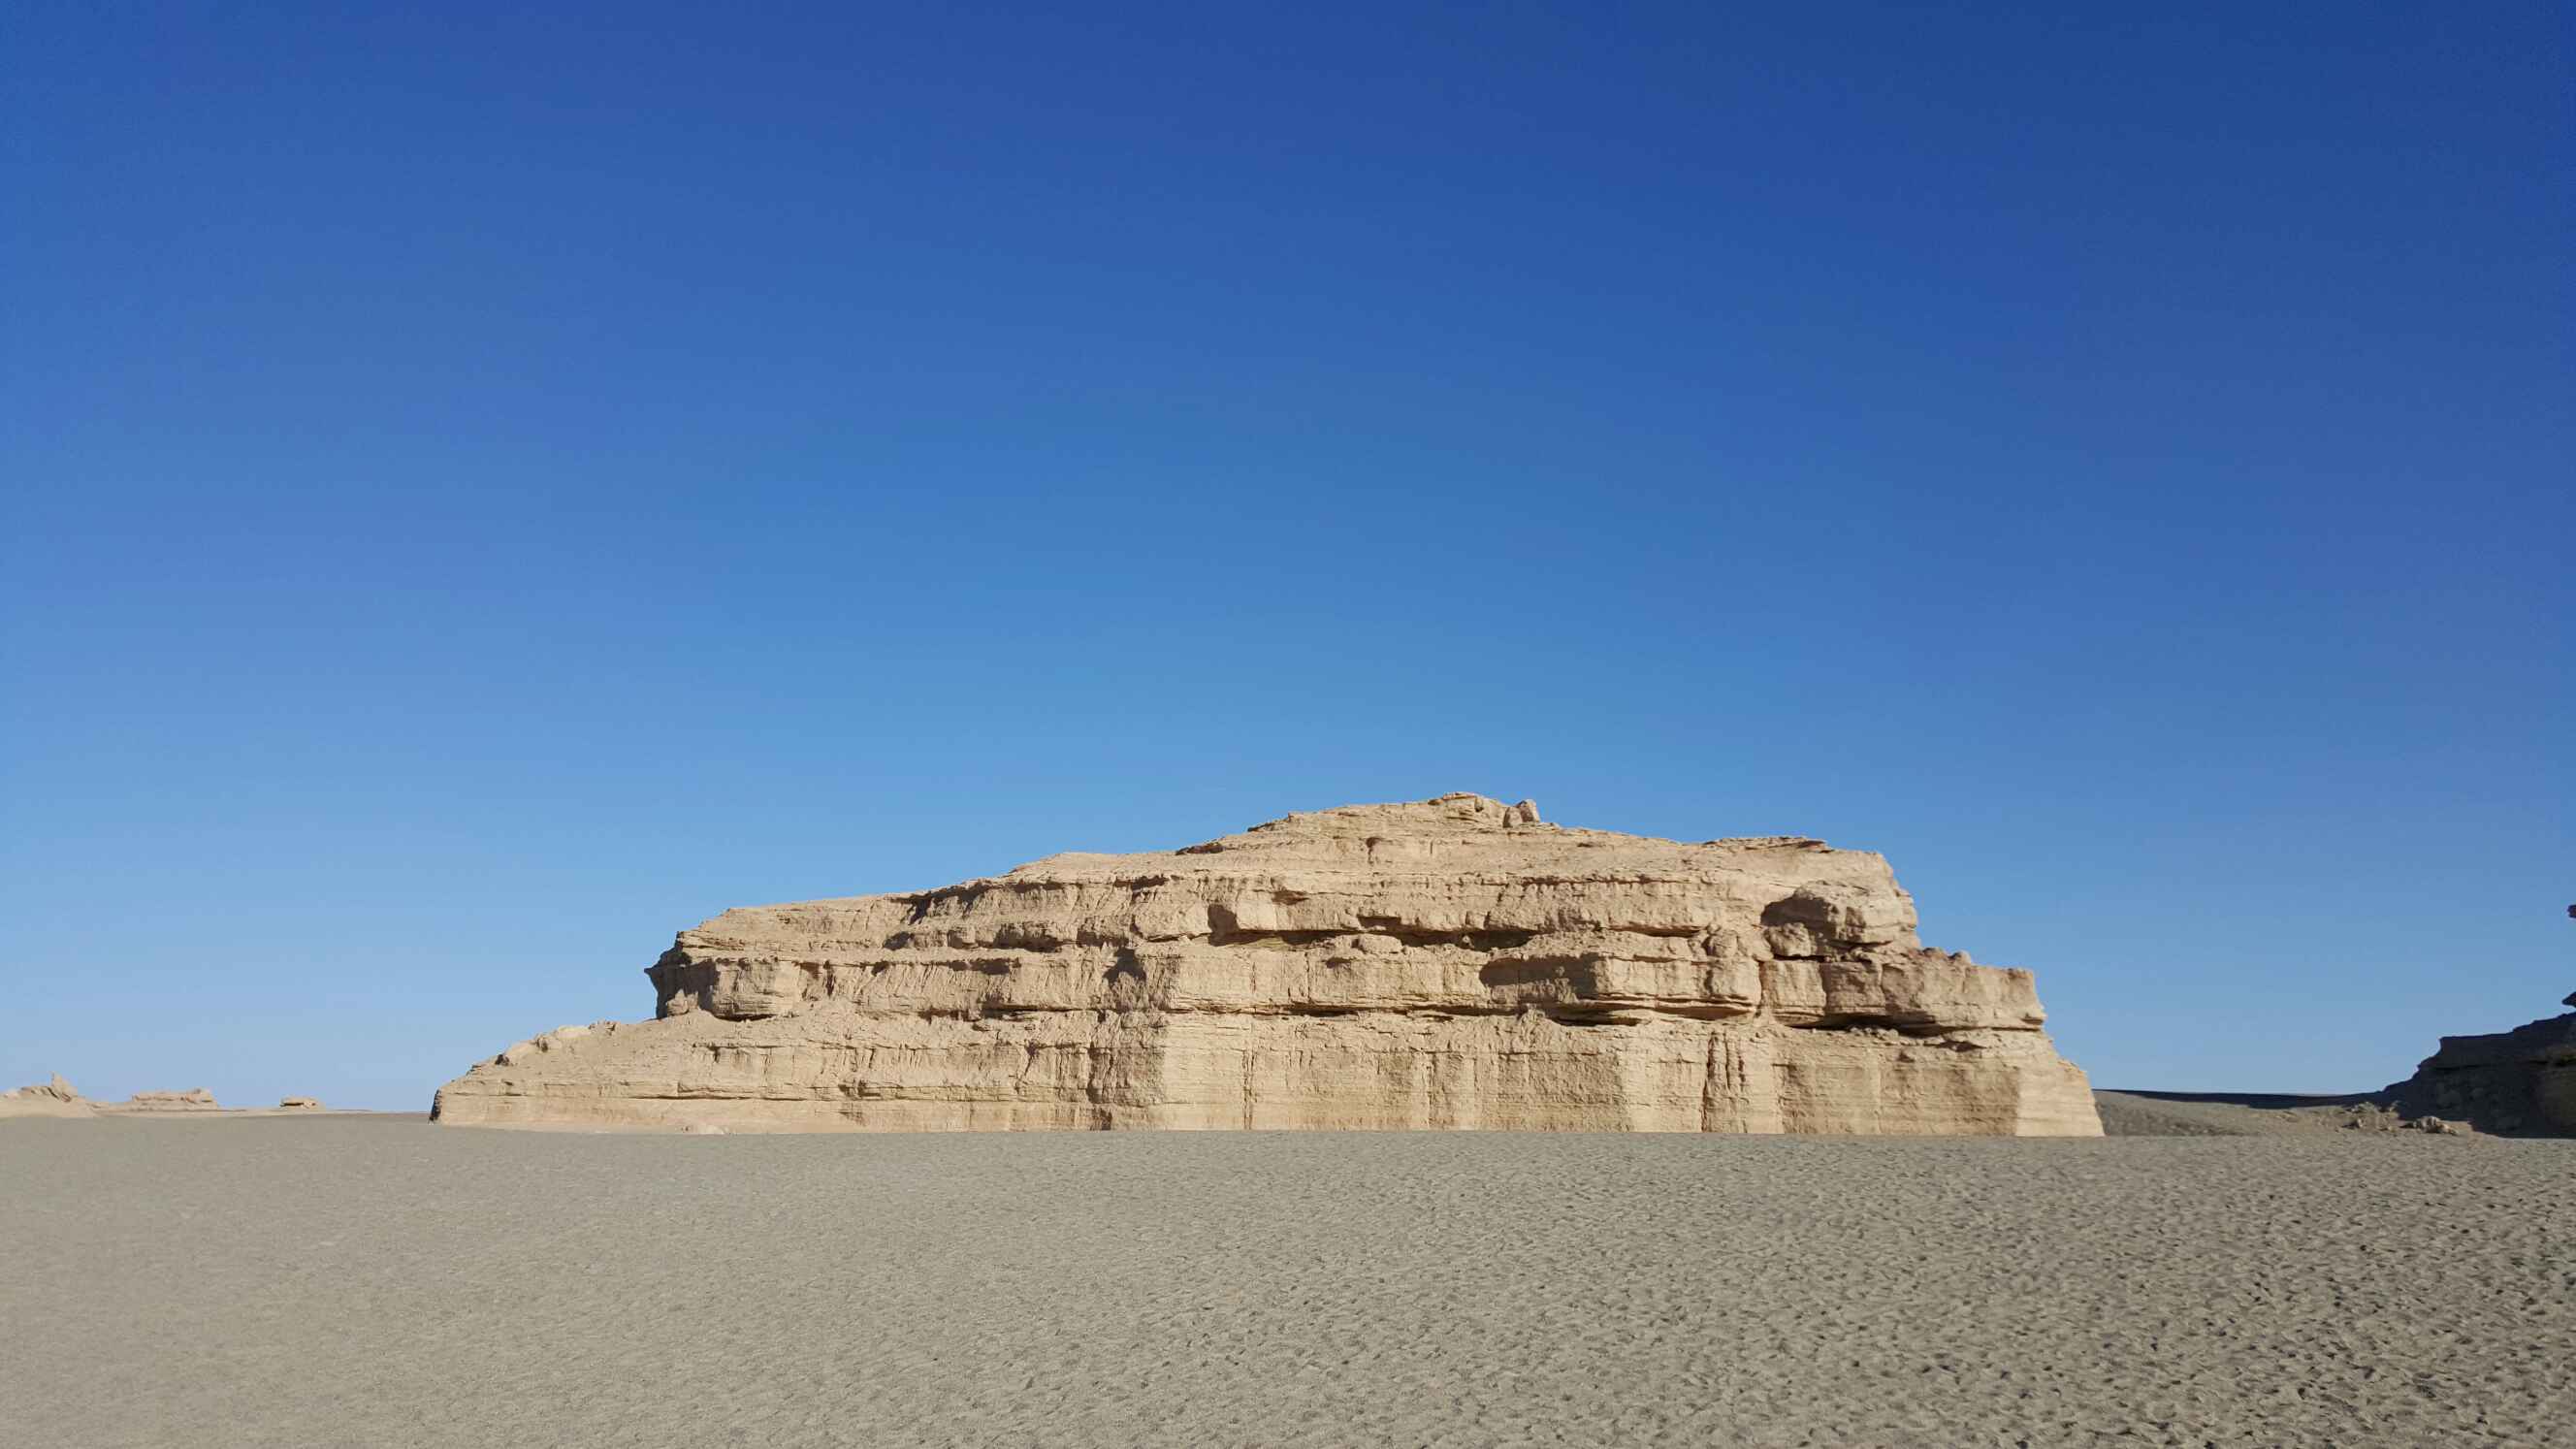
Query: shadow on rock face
[2518, 1083]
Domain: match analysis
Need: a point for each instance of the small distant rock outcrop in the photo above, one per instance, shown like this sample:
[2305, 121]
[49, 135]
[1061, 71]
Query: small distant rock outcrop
[57, 1099]
[2381, 1117]
[2518, 1083]
[2260, 1114]
[46, 1099]
[195, 1099]
[1453, 963]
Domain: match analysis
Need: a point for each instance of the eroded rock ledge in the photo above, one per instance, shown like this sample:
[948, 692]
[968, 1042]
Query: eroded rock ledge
[2516, 1083]
[1453, 963]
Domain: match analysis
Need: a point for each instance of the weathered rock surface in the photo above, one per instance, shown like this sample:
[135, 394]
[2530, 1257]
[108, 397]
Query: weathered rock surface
[195, 1099]
[45, 1099]
[2520, 1082]
[1453, 963]
[300, 1104]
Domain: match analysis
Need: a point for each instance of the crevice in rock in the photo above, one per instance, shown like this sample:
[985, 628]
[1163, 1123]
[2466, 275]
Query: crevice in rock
[1493, 939]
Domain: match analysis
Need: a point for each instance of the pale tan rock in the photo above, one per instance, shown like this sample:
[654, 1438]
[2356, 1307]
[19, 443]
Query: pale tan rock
[299, 1104]
[46, 1099]
[1454, 963]
[195, 1099]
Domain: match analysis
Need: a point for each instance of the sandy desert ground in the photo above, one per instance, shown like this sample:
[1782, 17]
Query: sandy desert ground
[380, 1281]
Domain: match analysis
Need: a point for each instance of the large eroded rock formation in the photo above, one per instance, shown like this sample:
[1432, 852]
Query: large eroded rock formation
[2520, 1082]
[1453, 964]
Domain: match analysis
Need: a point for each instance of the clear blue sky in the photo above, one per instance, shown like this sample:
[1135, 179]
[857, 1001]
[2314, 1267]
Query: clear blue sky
[487, 490]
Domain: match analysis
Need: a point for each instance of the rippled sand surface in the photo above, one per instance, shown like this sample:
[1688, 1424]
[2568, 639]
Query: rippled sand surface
[385, 1282]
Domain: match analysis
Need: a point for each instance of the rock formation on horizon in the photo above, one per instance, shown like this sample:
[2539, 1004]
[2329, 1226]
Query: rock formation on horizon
[1454, 963]
[45, 1099]
[2514, 1083]
[57, 1099]
[195, 1099]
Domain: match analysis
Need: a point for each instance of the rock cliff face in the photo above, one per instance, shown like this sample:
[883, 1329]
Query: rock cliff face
[2520, 1082]
[1454, 963]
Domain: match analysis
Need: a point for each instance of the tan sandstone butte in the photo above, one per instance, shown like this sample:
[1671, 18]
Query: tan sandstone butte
[1454, 963]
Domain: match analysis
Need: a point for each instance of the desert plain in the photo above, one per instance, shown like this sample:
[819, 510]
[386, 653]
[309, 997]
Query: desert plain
[358, 1279]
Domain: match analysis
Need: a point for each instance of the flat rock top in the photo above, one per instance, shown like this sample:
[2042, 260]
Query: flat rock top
[1457, 861]
[1462, 833]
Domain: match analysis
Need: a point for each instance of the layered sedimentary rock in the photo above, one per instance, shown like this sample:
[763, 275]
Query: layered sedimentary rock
[45, 1099]
[1455, 963]
[195, 1099]
[57, 1099]
[2520, 1082]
